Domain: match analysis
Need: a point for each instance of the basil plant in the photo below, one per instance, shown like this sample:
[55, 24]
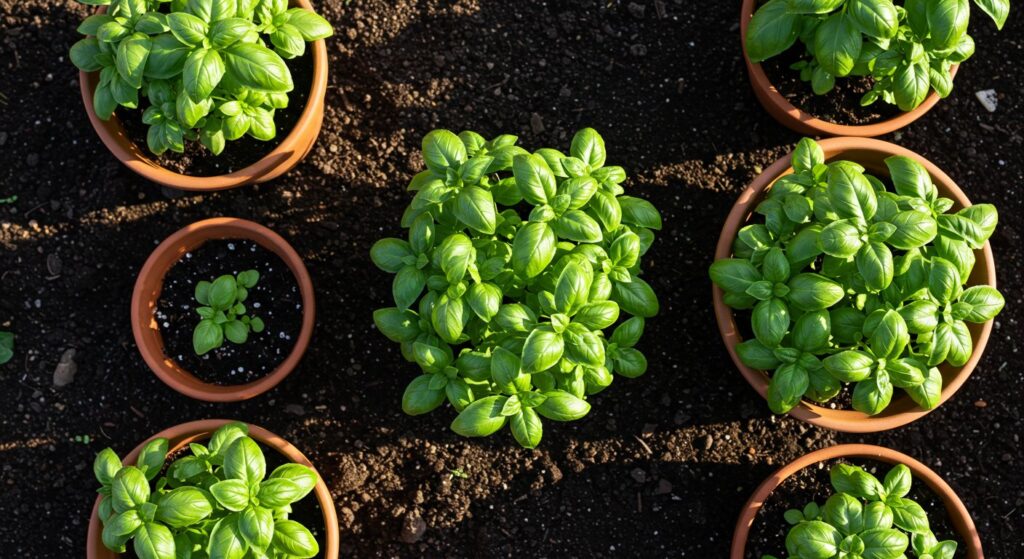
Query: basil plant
[216, 502]
[207, 70]
[865, 519]
[848, 281]
[6, 346]
[222, 311]
[518, 291]
[907, 50]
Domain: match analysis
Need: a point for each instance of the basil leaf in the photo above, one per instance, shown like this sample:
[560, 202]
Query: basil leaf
[310, 25]
[293, 539]
[257, 67]
[533, 249]
[837, 44]
[129, 489]
[542, 350]
[876, 18]
[772, 30]
[770, 322]
[588, 146]
[947, 22]
[481, 418]
[787, 387]
[527, 428]
[639, 212]
[813, 539]
[243, 460]
[183, 506]
[734, 275]
[562, 406]
[419, 398]
[636, 297]
[845, 513]
[153, 541]
[985, 303]
[812, 292]
[881, 543]
[996, 9]
[873, 395]
[534, 178]
[203, 71]
[849, 365]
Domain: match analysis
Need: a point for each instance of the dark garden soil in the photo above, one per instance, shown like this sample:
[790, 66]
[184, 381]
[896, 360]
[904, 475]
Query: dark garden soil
[840, 106]
[663, 463]
[198, 161]
[275, 299]
[768, 532]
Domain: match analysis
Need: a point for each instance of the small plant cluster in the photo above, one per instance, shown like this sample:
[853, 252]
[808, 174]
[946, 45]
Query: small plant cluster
[6, 346]
[907, 50]
[865, 518]
[850, 282]
[223, 313]
[204, 66]
[215, 502]
[506, 316]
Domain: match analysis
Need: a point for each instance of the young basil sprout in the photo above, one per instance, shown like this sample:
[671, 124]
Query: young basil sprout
[907, 50]
[864, 518]
[516, 265]
[850, 282]
[215, 502]
[223, 314]
[205, 70]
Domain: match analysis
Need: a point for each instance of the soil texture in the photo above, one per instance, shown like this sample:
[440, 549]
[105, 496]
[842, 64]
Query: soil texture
[197, 161]
[769, 530]
[662, 464]
[275, 299]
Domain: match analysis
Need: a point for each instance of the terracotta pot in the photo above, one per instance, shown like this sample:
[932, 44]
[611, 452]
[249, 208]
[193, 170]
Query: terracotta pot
[149, 284]
[185, 433]
[803, 122]
[966, 533]
[286, 155]
[871, 154]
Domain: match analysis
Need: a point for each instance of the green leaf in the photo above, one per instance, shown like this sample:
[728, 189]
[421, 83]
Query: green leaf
[812, 330]
[119, 528]
[908, 515]
[849, 365]
[755, 354]
[105, 466]
[854, 480]
[996, 9]
[481, 418]
[562, 406]
[840, 239]
[187, 28]
[407, 286]
[312, 26]
[890, 337]
[225, 540]
[397, 325]
[850, 193]
[229, 31]
[898, 481]
[573, 286]
[608, 209]
[232, 494]
[813, 540]
[542, 350]
[485, 300]
[132, 54]
[129, 489]
[389, 254]
[597, 316]
[533, 249]
[772, 30]
[928, 393]
[875, 18]
[909, 177]
[182, 507]
[475, 207]
[881, 543]
[985, 303]
[639, 212]
[152, 456]
[419, 398]
[456, 255]
[812, 292]
[787, 386]
[588, 146]
[912, 84]
[244, 460]
[914, 229]
[875, 264]
[770, 322]
[293, 539]
[807, 155]
[527, 428]
[154, 541]
[906, 373]
[734, 275]
[947, 22]
[84, 55]
[873, 395]
[837, 44]
[449, 318]
[256, 526]
[629, 332]
[203, 71]
[257, 67]
[207, 336]
[534, 179]
[636, 297]
[944, 282]
[629, 362]
[845, 513]
[287, 41]
[577, 226]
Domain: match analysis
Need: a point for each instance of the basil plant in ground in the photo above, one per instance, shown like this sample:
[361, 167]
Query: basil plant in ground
[516, 266]
[223, 313]
[6, 346]
[207, 70]
[865, 519]
[216, 502]
[850, 282]
[907, 50]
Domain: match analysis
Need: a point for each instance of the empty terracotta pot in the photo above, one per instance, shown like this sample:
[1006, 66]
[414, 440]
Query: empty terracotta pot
[966, 533]
[180, 436]
[149, 284]
[803, 122]
[295, 146]
[871, 154]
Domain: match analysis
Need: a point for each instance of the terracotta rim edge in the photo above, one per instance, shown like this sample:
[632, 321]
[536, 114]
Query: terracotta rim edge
[803, 122]
[292, 149]
[194, 430]
[149, 282]
[849, 420]
[958, 513]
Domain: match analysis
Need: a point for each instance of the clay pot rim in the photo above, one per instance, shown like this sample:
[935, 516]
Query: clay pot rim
[842, 420]
[196, 430]
[141, 313]
[269, 166]
[806, 123]
[958, 514]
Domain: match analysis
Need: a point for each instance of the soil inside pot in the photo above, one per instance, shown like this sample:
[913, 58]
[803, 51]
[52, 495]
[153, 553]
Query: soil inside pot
[769, 530]
[306, 511]
[198, 161]
[275, 299]
[839, 106]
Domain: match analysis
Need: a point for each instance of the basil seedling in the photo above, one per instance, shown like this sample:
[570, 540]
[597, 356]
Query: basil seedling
[215, 502]
[516, 264]
[205, 69]
[6, 346]
[850, 282]
[907, 50]
[223, 313]
[864, 518]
